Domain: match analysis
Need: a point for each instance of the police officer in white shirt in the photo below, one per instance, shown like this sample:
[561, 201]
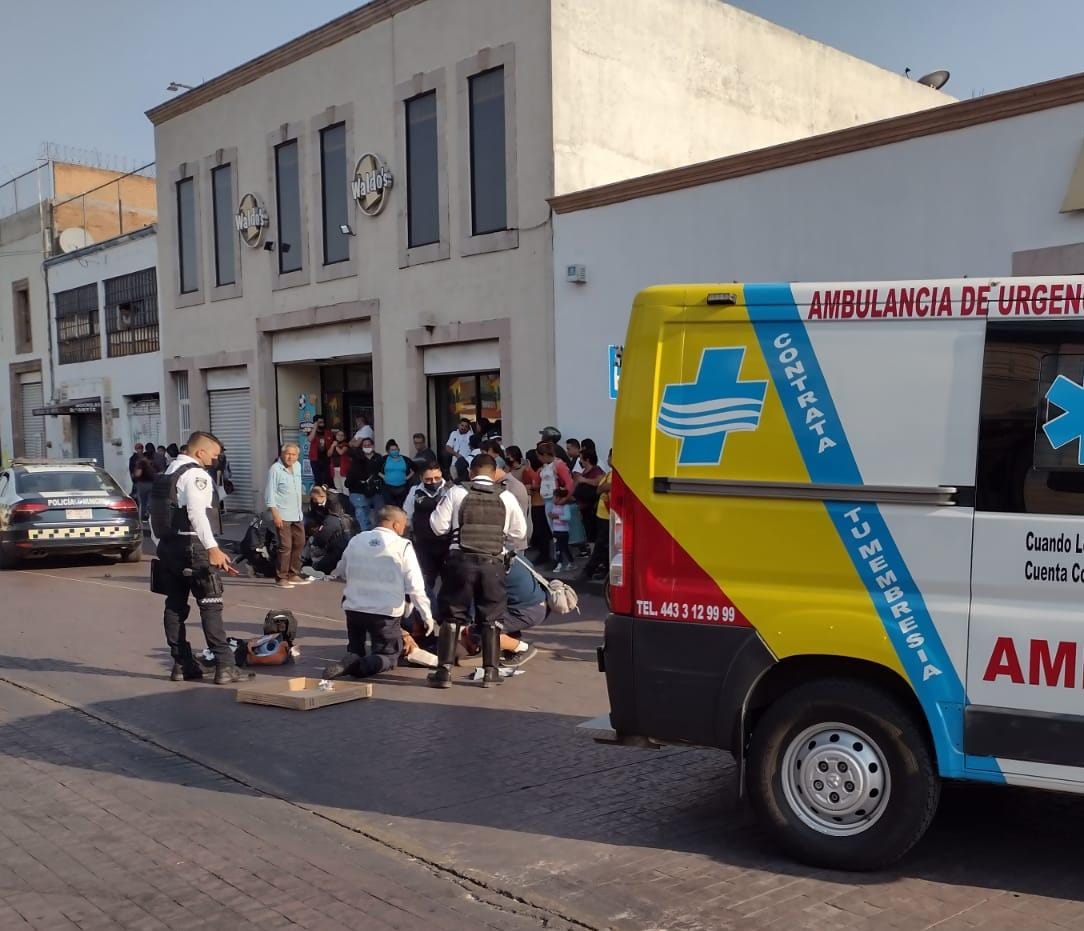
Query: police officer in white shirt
[381, 571]
[485, 522]
[189, 558]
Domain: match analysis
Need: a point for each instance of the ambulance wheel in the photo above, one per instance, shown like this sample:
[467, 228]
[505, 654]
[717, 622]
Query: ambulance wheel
[842, 776]
[135, 554]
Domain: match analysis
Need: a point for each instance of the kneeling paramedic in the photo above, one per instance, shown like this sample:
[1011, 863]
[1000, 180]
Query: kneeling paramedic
[182, 506]
[381, 571]
[484, 522]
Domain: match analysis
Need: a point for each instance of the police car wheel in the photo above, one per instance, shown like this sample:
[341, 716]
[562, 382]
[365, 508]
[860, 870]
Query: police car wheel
[135, 554]
[842, 775]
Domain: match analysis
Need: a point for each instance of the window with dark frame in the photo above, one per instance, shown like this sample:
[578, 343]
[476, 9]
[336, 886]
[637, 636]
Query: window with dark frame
[423, 203]
[78, 330]
[488, 171]
[334, 193]
[225, 233]
[1019, 469]
[24, 331]
[187, 250]
[131, 313]
[288, 198]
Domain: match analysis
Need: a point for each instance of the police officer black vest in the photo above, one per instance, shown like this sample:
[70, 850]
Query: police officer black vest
[168, 518]
[424, 506]
[481, 520]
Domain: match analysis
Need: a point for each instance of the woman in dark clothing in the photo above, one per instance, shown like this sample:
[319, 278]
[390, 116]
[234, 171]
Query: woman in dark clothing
[364, 482]
[331, 528]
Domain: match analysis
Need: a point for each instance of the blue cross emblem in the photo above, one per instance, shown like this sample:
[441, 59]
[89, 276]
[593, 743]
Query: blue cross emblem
[702, 413]
[1069, 425]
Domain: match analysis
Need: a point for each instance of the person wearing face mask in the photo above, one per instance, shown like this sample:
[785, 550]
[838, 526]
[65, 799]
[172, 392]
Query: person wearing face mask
[364, 482]
[189, 557]
[397, 474]
[432, 550]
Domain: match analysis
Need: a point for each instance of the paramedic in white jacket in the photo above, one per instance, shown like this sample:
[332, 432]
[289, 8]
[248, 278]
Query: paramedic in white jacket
[381, 571]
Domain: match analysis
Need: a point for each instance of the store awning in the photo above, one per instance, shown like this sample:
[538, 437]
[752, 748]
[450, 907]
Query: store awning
[67, 408]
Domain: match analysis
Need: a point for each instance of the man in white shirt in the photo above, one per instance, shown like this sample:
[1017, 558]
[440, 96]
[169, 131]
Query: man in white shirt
[363, 430]
[381, 571]
[283, 499]
[459, 441]
[188, 557]
[484, 521]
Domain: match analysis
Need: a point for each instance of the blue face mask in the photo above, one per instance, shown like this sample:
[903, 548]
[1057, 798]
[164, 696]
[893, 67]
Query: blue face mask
[394, 454]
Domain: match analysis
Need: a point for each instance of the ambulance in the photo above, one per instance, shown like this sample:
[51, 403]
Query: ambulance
[847, 545]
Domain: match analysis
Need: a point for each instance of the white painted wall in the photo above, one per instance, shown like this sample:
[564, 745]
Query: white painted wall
[947, 205]
[111, 379]
[644, 85]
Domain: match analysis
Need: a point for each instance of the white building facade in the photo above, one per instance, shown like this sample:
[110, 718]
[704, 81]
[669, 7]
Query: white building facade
[107, 381]
[987, 187]
[390, 172]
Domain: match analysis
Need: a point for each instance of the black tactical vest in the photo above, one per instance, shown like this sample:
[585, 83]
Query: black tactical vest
[481, 521]
[168, 518]
[424, 506]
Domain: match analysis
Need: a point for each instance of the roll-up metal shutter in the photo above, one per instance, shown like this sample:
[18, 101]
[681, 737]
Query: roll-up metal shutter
[33, 427]
[231, 422]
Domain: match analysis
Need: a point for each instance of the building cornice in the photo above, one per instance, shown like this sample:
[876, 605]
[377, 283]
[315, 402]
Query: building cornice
[304, 45]
[953, 116]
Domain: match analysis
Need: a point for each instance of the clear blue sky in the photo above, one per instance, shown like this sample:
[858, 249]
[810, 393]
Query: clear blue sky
[86, 72]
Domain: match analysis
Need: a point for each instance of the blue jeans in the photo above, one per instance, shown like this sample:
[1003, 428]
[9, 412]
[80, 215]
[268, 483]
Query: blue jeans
[362, 504]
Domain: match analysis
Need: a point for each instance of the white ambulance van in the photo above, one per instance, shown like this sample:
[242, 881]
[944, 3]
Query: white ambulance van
[847, 544]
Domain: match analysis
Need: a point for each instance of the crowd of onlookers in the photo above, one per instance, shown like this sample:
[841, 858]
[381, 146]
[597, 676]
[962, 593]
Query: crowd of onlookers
[562, 487]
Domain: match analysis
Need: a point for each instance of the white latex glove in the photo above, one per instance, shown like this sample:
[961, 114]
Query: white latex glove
[430, 626]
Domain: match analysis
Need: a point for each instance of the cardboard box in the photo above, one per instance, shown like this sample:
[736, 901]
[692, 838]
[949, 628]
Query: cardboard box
[302, 694]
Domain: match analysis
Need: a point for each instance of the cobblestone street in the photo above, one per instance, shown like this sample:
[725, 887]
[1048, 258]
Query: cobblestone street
[164, 804]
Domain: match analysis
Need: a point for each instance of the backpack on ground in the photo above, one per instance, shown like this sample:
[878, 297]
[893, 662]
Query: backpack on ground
[275, 647]
[560, 596]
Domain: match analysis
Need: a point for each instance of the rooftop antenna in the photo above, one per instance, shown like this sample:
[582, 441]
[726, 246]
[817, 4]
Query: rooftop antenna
[935, 79]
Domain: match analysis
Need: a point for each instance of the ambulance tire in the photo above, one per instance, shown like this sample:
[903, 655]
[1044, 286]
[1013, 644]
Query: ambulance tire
[814, 712]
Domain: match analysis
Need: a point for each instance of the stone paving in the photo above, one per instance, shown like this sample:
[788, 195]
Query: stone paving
[497, 787]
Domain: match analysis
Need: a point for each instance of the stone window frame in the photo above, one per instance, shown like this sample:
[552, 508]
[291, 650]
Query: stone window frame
[289, 132]
[436, 82]
[180, 173]
[340, 113]
[24, 341]
[224, 292]
[487, 59]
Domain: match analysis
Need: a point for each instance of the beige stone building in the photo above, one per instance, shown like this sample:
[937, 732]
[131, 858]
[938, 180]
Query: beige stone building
[389, 175]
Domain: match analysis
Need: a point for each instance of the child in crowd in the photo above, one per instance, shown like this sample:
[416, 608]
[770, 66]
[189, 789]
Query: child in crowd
[560, 516]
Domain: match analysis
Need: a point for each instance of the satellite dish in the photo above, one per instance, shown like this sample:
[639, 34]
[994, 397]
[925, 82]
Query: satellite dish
[75, 237]
[935, 79]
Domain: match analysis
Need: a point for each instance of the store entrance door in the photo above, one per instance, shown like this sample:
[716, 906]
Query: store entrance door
[474, 395]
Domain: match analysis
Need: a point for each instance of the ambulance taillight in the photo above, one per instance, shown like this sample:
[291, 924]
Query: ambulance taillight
[620, 548]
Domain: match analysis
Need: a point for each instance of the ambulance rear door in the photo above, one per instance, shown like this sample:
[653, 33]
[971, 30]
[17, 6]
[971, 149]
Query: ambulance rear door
[1025, 675]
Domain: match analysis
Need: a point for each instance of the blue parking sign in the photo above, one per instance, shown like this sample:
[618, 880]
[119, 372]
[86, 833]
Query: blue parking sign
[614, 353]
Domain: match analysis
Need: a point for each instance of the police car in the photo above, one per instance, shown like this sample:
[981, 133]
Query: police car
[65, 506]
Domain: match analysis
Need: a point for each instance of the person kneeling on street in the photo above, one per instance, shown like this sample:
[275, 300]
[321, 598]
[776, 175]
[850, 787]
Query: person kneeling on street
[484, 522]
[330, 528]
[527, 607]
[381, 572]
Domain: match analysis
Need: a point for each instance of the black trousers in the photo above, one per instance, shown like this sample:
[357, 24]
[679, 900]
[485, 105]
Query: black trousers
[431, 559]
[386, 634]
[473, 579]
[174, 556]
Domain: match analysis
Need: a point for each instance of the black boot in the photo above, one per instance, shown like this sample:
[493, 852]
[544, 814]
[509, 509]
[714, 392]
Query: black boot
[231, 675]
[491, 656]
[446, 644]
[185, 667]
